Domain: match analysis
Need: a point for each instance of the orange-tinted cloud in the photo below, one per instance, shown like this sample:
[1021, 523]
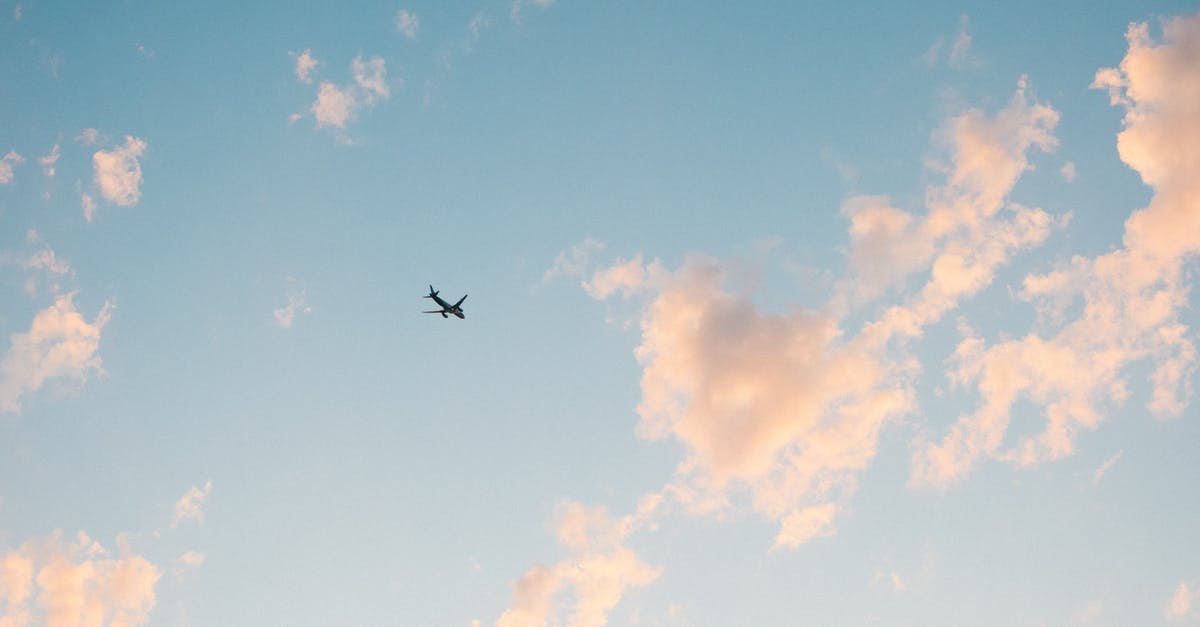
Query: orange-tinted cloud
[1131, 298]
[65, 584]
[597, 571]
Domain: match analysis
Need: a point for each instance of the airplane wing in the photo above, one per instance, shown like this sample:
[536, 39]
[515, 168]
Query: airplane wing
[438, 311]
[460, 301]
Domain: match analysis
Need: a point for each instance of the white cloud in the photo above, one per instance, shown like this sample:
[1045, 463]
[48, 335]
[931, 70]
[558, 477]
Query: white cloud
[49, 160]
[338, 106]
[191, 505]
[371, 77]
[6, 166]
[65, 584]
[60, 344]
[305, 64]
[118, 174]
[1068, 171]
[334, 106]
[286, 315]
[407, 23]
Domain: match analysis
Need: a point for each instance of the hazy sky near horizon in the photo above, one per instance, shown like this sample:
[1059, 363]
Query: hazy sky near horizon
[778, 314]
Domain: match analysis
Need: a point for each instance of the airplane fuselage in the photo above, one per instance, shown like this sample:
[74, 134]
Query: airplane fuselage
[447, 308]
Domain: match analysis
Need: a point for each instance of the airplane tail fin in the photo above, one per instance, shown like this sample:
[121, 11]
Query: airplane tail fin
[432, 292]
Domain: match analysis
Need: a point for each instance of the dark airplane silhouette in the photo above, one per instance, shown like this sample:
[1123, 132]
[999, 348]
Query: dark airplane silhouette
[446, 308]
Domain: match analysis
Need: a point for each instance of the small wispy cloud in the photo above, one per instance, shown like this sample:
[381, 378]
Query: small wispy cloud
[286, 315]
[338, 105]
[49, 160]
[191, 505]
[957, 54]
[1106, 466]
[518, 6]
[1068, 171]
[1182, 604]
[407, 24]
[6, 166]
[305, 64]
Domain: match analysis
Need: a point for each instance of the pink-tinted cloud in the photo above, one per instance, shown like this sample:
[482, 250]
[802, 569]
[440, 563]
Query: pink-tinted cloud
[49, 160]
[305, 64]
[337, 106]
[407, 23]
[1182, 604]
[1131, 298]
[580, 590]
[190, 506]
[6, 166]
[59, 583]
[60, 344]
[118, 173]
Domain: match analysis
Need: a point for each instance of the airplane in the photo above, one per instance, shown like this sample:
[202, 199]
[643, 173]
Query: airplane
[446, 308]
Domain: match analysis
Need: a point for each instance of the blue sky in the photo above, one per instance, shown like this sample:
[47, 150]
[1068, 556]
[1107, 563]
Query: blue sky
[777, 314]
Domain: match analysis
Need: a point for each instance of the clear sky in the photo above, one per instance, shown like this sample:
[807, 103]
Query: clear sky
[779, 313]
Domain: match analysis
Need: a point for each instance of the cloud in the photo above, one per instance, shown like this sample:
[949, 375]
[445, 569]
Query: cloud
[519, 5]
[305, 64]
[89, 137]
[596, 573]
[6, 166]
[783, 405]
[627, 277]
[407, 24]
[89, 206]
[59, 583]
[191, 505]
[190, 560]
[337, 106]
[1131, 298]
[958, 57]
[1106, 466]
[118, 174]
[49, 160]
[969, 229]
[1182, 603]
[1068, 171]
[285, 315]
[60, 344]
[576, 262]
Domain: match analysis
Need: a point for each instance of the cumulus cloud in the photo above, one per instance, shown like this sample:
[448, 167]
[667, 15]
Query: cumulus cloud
[60, 344]
[407, 23]
[191, 505]
[594, 576]
[61, 583]
[786, 407]
[49, 160]
[305, 64]
[337, 106]
[118, 173]
[6, 166]
[1131, 298]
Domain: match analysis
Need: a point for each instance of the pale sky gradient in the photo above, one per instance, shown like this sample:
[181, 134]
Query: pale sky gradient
[832, 314]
